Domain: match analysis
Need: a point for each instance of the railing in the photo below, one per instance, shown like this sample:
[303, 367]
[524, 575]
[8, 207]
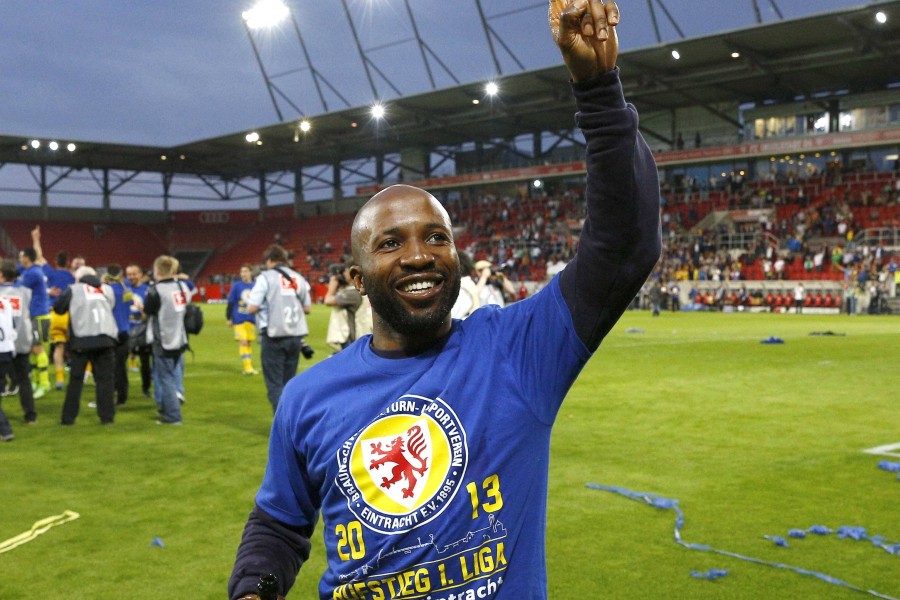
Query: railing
[887, 237]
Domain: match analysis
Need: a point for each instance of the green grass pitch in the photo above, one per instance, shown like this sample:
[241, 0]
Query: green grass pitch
[752, 439]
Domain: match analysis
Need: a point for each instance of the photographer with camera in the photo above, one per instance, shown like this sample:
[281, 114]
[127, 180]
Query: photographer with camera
[493, 285]
[280, 300]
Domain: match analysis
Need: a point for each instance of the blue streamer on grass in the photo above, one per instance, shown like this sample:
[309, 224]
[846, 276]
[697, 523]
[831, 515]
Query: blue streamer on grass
[712, 574]
[893, 467]
[672, 504]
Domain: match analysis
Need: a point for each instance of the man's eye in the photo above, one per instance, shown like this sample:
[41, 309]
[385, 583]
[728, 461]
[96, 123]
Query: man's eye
[389, 244]
[437, 237]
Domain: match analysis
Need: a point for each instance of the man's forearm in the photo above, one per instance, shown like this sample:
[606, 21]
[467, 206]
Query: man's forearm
[268, 546]
[620, 241]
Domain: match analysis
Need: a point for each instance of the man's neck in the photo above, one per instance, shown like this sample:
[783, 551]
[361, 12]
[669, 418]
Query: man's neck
[392, 344]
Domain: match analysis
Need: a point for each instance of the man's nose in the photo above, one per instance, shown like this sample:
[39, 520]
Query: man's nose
[418, 255]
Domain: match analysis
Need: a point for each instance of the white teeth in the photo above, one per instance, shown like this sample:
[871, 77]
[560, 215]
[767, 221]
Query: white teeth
[419, 286]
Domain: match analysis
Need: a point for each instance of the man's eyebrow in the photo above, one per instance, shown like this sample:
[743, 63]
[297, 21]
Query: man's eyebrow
[399, 230]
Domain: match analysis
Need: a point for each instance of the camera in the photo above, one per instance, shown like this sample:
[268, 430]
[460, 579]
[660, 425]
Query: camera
[337, 270]
[306, 350]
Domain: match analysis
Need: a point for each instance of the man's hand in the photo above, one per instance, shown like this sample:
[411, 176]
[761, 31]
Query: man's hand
[584, 31]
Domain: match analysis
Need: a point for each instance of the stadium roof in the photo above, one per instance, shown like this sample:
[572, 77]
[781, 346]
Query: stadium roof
[811, 57]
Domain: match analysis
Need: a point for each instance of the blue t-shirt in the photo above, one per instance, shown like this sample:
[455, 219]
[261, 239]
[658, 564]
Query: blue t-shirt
[237, 303]
[34, 279]
[58, 278]
[430, 472]
[122, 308]
[134, 313]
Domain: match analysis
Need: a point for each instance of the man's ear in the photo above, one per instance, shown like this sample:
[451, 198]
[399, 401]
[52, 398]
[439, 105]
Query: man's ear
[356, 278]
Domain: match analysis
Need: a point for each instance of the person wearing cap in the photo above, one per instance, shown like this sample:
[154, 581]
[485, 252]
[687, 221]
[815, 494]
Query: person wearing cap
[92, 338]
[493, 286]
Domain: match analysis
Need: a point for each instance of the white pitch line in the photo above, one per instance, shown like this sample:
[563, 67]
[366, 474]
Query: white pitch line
[886, 450]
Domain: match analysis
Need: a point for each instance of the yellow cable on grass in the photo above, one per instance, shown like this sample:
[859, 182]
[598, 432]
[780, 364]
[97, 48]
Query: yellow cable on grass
[37, 529]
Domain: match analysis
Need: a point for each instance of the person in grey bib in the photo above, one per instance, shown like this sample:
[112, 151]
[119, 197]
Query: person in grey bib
[92, 336]
[280, 300]
[165, 306]
[19, 297]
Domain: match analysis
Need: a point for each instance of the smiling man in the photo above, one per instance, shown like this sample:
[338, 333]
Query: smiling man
[424, 448]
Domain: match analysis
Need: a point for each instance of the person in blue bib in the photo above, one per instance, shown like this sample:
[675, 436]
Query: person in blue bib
[423, 449]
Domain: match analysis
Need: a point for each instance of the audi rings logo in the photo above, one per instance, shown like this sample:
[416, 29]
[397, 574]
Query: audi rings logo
[214, 217]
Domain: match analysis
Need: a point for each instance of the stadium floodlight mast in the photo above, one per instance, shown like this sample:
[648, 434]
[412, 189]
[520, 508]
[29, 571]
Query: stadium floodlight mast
[265, 14]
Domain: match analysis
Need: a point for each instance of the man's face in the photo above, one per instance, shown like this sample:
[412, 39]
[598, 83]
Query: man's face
[24, 260]
[408, 264]
[77, 263]
[134, 276]
[246, 275]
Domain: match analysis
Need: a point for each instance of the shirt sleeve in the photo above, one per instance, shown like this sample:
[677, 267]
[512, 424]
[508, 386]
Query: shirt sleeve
[621, 241]
[258, 292]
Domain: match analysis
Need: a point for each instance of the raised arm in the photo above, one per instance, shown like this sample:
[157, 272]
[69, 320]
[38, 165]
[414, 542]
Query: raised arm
[40, 260]
[620, 242]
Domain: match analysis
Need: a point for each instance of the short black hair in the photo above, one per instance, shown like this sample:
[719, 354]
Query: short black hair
[275, 253]
[8, 268]
[30, 253]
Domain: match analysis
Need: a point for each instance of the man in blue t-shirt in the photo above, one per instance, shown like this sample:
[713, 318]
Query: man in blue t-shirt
[137, 283]
[32, 277]
[121, 313]
[424, 448]
[237, 316]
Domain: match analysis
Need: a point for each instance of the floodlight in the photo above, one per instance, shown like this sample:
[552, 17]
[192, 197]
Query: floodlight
[476, 101]
[35, 144]
[53, 146]
[265, 14]
[491, 89]
[378, 111]
[881, 17]
[676, 54]
[252, 137]
[305, 126]
[537, 184]
[735, 55]
[70, 147]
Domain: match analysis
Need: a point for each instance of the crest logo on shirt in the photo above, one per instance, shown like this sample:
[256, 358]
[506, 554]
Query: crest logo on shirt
[403, 469]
